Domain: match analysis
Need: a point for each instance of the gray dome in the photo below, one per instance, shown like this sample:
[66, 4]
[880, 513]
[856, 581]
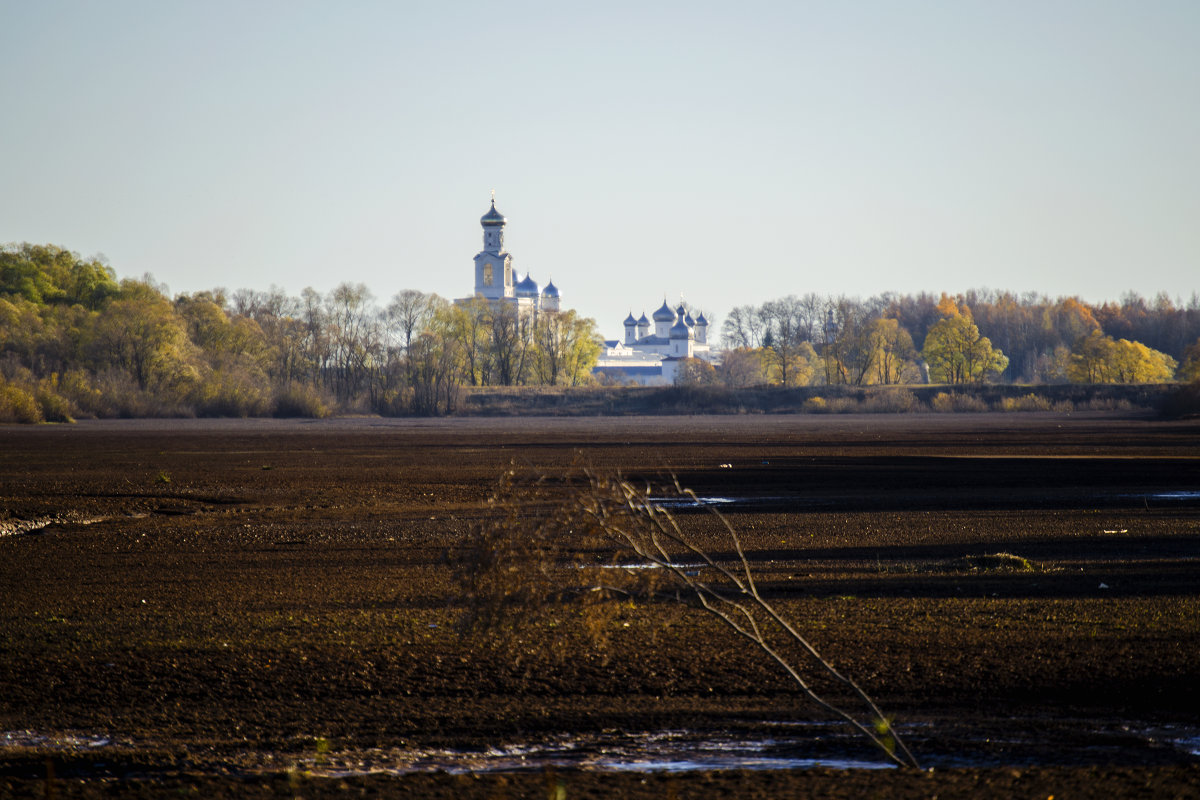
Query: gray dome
[551, 290]
[528, 287]
[642, 321]
[664, 313]
[492, 218]
[688, 319]
[630, 320]
[680, 330]
[700, 320]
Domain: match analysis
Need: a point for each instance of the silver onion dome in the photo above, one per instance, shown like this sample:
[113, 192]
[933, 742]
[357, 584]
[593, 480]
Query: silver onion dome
[492, 218]
[664, 313]
[528, 287]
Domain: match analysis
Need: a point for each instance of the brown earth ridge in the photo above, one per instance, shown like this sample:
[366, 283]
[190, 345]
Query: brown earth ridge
[261, 608]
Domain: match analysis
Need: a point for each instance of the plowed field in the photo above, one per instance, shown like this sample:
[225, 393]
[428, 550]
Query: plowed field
[264, 608]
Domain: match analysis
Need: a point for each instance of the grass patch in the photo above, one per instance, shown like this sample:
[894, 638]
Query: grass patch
[998, 562]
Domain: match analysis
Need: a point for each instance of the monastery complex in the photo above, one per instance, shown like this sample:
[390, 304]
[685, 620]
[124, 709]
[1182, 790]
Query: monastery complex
[650, 350]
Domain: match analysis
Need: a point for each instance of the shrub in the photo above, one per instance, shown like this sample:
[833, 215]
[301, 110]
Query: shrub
[393, 402]
[87, 400]
[300, 400]
[1029, 402]
[834, 405]
[1109, 404]
[231, 393]
[18, 405]
[122, 397]
[891, 401]
[55, 407]
[954, 403]
[1004, 562]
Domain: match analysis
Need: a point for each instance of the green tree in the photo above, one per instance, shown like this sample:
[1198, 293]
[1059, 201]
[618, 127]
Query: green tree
[470, 326]
[143, 335]
[741, 367]
[567, 347]
[437, 362]
[234, 378]
[44, 274]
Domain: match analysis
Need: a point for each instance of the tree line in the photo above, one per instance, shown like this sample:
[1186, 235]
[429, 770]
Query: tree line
[76, 341]
[971, 338]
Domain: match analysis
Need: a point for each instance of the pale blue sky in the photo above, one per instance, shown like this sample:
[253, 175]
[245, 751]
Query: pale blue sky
[734, 152]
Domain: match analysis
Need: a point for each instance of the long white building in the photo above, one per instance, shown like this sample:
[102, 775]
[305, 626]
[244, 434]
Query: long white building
[652, 356]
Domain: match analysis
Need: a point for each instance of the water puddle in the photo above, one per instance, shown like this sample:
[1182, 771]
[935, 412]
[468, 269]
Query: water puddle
[799, 502]
[767, 745]
[661, 751]
[57, 741]
[698, 502]
[17, 527]
[648, 565]
[782, 746]
[1182, 495]
[1183, 739]
[743, 502]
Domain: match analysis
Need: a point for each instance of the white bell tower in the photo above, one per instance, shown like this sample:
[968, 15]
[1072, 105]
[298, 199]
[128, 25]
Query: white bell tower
[493, 266]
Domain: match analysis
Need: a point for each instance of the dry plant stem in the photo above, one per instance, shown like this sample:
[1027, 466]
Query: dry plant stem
[664, 531]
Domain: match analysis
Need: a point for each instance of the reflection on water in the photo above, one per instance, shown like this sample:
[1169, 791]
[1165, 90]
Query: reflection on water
[1172, 496]
[58, 741]
[662, 751]
[688, 502]
[769, 745]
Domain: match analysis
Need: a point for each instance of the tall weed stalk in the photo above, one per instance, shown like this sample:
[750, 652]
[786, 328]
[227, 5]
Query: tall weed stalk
[550, 541]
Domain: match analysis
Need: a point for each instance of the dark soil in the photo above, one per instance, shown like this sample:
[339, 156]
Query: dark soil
[263, 608]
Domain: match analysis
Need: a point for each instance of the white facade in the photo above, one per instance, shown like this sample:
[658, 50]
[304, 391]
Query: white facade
[653, 358]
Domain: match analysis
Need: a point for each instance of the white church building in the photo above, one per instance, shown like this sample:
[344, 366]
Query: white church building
[494, 277]
[652, 357]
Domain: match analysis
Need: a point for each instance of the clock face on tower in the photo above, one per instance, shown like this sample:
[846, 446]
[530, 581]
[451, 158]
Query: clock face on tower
[487, 275]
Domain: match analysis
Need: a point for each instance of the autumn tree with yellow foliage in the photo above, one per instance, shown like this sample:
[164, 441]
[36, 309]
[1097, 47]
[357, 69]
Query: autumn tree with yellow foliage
[955, 351]
[1096, 358]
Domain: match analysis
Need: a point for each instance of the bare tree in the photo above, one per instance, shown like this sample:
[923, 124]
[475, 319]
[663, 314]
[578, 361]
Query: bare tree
[786, 347]
[409, 312]
[355, 338]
